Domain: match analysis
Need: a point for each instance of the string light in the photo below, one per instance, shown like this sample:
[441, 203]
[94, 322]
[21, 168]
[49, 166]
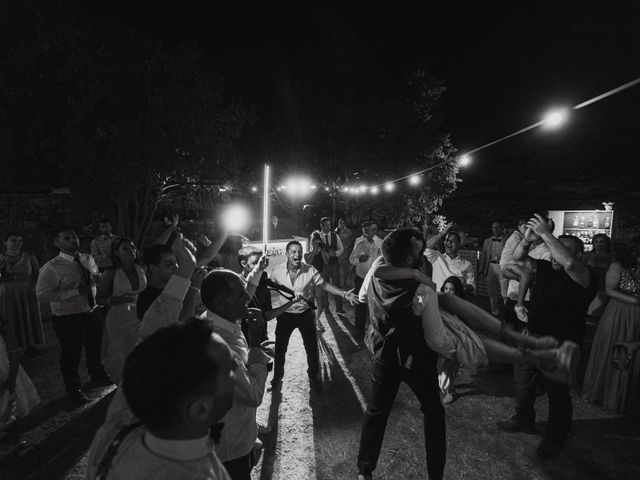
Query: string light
[553, 119]
[414, 180]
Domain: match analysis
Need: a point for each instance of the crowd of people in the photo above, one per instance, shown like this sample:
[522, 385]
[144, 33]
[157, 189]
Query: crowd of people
[187, 344]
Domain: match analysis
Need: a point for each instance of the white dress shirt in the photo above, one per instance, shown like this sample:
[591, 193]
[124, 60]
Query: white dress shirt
[59, 280]
[444, 267]
[364, 247]
[240, 427]
[328, 236]
[305, 281]
[141, 455]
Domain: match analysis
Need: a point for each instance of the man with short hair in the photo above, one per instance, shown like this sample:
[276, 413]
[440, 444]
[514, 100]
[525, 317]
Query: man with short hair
[449, 263]
[489, 268]
[224, 295]
[302, 279]
[334, 248]
[67, 283]
[178, 384]
[400, 351]
[162, 265]
[101, 245]
[563, 289]
[364, 252]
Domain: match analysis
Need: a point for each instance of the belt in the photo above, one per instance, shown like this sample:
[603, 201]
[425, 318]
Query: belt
[494, 261]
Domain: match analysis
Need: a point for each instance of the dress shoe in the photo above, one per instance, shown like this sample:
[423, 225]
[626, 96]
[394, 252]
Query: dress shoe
[514, 425]
[78, 397]
[448, 398]
[549, 449]
[566, 363]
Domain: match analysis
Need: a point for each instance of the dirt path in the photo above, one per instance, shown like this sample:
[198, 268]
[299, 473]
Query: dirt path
[316, 435]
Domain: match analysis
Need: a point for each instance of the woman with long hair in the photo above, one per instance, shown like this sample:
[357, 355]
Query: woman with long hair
[118, 289]
[620, 322]
[317, 257]
[20, 320]
[599, 260]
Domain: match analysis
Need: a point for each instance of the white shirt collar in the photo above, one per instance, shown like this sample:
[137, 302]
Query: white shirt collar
[457, 257]
[223, 323]
[181, 450]
[67, 257]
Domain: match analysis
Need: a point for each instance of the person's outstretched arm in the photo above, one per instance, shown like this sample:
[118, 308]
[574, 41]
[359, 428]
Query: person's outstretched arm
[576, 269]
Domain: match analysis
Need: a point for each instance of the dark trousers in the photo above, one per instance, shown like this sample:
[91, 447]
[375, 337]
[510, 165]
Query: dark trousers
[240, 468]
[560, 407]
[422, 378]
[306, 323]
[361, 309]
[331, 274]
[74, 332]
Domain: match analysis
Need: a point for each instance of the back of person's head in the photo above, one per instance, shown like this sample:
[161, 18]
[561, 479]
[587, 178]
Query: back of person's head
[166, 369]
[59, 230]
[627, 252]
[153, 253]
[578, 243]
[458, 288]
[247, 252]
[397, 247]
[217, 288]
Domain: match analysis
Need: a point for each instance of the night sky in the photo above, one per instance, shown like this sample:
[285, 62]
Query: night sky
[504, 64]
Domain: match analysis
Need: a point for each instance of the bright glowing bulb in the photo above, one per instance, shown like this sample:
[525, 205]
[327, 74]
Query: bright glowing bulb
[326, 189]
[236, 218]
[282, 187]
[254, 189]
[414, 180]
[464, 161]
[389, 186]
[374, 190]
[555, 118]
[312, 186]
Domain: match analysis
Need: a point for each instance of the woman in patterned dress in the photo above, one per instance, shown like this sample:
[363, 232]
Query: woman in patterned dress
[620, 322]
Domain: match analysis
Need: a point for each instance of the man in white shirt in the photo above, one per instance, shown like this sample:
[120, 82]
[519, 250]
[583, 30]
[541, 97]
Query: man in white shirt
[449, 263]
[302, 279]
[332, 244]
[67, 283]
[178, 384]
[365, 251]
[224, 295]
[489, 268]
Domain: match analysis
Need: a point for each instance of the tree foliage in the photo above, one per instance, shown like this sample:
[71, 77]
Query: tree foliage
[106, 110]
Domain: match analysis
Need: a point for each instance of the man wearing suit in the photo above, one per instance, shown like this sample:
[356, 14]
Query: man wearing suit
[490, 268]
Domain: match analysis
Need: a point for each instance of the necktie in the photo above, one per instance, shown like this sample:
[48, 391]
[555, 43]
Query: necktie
[86, 280]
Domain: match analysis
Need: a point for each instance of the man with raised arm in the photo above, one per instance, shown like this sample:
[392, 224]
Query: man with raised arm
[562, 292]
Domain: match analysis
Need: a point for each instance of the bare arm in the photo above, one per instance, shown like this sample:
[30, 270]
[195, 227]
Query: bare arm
[612, 284]
[105, 287]
[577, 270]
[35, 267]
[388, 272]
[212, 250]
[433, 241]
